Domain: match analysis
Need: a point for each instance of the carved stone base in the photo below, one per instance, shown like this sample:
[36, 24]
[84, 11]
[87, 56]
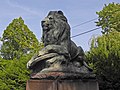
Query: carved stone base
[62, 75]
[63, 72]
[80, 84]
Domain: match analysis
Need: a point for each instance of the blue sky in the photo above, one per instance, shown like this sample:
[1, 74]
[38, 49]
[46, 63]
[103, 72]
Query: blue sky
[33, 11]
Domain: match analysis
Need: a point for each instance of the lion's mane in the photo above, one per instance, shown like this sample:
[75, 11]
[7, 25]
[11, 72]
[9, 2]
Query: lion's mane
[58, 29]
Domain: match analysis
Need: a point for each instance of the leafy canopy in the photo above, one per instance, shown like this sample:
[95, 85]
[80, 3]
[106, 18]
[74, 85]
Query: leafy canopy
[109, 18]
[13, 73]
[104, 54]
[19, 44]
[18, 40]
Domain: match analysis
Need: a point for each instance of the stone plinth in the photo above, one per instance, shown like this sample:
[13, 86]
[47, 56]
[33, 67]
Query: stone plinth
[85, 84]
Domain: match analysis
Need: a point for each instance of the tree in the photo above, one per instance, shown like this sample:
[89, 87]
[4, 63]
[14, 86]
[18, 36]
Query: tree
[19, 44]
[13, 73]
[109, 18]
[18, 40]
[104, 54]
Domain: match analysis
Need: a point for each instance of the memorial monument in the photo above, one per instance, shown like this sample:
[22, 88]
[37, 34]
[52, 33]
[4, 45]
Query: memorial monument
[61, 58]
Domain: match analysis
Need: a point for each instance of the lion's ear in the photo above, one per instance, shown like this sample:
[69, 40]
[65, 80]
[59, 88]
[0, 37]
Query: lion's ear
[60, 12]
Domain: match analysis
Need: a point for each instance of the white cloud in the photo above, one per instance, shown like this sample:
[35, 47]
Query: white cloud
[26, 10]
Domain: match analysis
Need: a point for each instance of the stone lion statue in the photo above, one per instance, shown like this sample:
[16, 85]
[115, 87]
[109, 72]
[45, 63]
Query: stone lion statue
[56, 30]
[59, 50]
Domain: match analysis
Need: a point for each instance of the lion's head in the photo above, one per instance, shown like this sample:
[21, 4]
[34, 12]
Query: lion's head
[53, 19]
[56, 29]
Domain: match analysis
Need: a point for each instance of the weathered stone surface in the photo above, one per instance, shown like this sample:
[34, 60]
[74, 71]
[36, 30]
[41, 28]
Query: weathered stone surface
[58, 84]
[52, 75]
[32, 62]
[60, 54]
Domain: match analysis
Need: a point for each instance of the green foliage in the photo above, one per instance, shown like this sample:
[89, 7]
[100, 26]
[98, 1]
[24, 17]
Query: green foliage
[104, 55]
[13, 73]
[109, 18]
[18, 40]
[19, 45]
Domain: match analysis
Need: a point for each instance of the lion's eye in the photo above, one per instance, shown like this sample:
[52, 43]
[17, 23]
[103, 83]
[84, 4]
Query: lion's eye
[50, 18]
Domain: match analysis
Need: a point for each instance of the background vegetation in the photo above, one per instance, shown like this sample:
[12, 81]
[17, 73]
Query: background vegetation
[19, 44]
[104, 54]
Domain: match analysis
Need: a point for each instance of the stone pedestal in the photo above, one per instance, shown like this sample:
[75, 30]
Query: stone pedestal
[81, 84]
